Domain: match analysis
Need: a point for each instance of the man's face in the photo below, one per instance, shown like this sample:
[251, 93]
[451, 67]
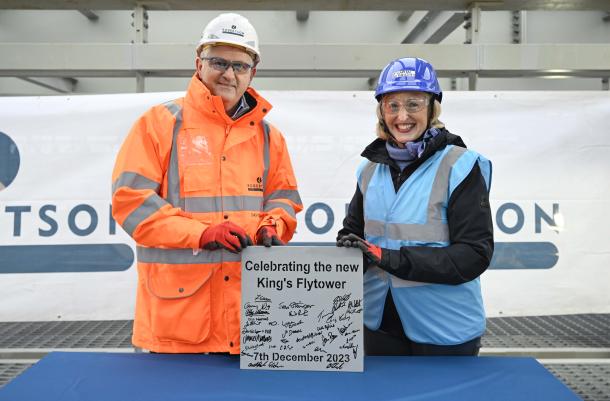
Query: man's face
[229, 85]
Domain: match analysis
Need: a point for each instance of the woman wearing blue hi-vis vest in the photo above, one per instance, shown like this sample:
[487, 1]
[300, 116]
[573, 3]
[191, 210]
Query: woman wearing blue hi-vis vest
[421, 216]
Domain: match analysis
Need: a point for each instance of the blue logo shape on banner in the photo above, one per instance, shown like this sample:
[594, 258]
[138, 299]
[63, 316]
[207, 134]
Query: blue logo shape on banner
[72, 258]
[524, 255]
[9, 160]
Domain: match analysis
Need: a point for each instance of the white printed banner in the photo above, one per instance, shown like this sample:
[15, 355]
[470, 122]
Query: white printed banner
[63, 257]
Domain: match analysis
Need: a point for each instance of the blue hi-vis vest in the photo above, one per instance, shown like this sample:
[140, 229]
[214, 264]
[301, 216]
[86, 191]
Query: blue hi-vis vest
[417, 216]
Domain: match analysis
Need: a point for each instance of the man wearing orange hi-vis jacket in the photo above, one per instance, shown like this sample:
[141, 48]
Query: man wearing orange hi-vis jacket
[197, 180]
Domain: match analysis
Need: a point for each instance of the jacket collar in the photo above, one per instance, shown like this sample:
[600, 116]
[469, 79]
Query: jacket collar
[199, 99]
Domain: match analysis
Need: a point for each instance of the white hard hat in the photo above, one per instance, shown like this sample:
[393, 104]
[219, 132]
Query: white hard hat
[232, 29]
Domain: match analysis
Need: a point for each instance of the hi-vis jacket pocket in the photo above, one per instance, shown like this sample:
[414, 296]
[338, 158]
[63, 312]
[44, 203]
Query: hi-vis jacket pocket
[180, 302]
[201, 179]
[194, 149]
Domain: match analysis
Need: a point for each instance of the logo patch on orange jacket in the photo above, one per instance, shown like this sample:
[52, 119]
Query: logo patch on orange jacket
[258, 187]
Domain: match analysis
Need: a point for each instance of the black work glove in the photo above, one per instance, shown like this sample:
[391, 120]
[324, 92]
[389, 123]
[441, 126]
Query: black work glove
[372, 253]
[349, 241]
[267, 236]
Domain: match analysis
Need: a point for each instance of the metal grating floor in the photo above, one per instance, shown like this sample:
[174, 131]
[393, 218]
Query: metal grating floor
[590, 381]
[74, 334]
[558, 331]
[8, 371]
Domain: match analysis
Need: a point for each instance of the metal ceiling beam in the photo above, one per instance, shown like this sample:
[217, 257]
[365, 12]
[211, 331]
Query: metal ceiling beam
[421, 25]
[447, 28]
[519, 26]
[305, 60]
[91, 16]
[302, 15]
[61, 85]
[404, 16]
[328, 5]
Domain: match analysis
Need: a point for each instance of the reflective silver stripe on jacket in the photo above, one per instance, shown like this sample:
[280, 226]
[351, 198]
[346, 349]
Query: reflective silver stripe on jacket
[173, 174]
[224, 203]
[184, 256]
[430, 232]
[209, 204]
[365, 178]
[440, 187]
[151, 205]
[137, 181]
[266, 157]
[194, 204]
[290, 194]
[281, 205]
[435, 230]
[134, 181]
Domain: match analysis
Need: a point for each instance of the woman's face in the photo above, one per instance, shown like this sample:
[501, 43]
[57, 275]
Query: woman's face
[406, 115]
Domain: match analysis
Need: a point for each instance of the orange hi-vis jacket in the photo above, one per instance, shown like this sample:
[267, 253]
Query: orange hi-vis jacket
[186, 165]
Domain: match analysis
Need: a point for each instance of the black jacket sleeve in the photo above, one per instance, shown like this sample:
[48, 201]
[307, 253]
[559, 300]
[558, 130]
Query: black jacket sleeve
[353, 223]
[471, 240]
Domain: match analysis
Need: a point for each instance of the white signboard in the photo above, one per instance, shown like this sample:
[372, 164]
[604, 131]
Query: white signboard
[302, 309]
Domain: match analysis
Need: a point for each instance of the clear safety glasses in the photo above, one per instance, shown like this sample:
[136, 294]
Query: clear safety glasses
[220, 64]
[412, 105]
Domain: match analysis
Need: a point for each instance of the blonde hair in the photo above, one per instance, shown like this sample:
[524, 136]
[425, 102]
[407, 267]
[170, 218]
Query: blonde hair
[434, 121]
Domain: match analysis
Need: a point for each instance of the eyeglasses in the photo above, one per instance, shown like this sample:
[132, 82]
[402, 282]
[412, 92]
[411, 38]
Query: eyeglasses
[220, 64]
[413, 105]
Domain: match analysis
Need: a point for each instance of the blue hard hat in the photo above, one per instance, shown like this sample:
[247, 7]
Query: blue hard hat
[408, 74]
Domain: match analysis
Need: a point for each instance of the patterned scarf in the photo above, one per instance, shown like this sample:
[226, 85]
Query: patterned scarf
[412, 150]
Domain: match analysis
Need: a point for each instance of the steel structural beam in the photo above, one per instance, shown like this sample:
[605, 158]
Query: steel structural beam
[91, 16]
[447, 28]
[302, 15]
[306, 60]
[57, 84]
[404, 16]
[329, 5]
[421, 26]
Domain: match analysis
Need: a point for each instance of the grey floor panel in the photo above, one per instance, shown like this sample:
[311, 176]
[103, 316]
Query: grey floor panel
[558, 331]
[590, 381]
[8, 371]
[71, 334]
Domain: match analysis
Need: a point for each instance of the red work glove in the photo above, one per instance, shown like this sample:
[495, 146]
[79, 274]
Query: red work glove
[226, 235]
[372, 252]
[267, 236]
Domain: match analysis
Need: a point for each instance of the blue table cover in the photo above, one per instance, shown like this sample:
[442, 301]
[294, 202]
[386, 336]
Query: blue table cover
[150, 377]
